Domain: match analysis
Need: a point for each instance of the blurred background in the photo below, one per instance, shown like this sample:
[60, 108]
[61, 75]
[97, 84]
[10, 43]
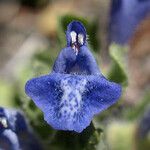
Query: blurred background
[32, 33]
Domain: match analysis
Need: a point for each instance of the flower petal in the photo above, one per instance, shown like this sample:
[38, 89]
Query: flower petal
[78, 28]
[101, 94]
[15, 133]
[67, 100]
[125, 17]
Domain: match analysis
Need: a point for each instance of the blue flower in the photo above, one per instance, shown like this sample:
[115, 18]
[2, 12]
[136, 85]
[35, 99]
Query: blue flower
[15, 133]
[125, 17]
[75, 90]
[9, 140]
[144, 125]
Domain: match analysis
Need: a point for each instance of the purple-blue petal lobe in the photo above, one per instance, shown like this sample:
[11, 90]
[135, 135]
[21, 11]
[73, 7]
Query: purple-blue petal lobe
[125, 16]
[78, 28]
[84, 63]
[69, 102]
[15, 133]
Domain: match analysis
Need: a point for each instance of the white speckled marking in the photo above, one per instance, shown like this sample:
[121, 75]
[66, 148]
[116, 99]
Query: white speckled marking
[71, 100]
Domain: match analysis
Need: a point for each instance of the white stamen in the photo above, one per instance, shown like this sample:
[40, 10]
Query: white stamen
[73, 35]
[80, 39]
[4, 122]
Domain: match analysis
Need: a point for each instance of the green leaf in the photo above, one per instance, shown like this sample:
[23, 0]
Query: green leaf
[120, 135]
[139, 109]
[118, 68]
[6, 94]
[86, 140]
[143, 144]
